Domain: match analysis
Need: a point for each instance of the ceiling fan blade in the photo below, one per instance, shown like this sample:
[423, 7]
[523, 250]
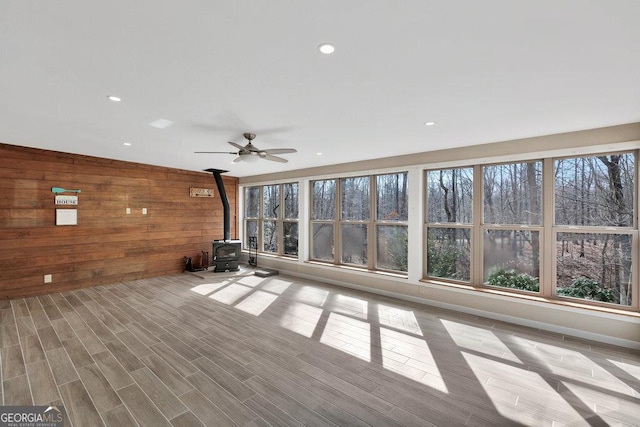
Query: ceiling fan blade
[237, 159]
[280, 151]
[238, 146]
[215, 152]
[274, 158]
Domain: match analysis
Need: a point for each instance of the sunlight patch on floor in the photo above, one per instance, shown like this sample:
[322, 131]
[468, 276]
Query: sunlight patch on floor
[399, 319]
[478, 339]
[252, 281]
[632, 370]
[301, 318]
[277, 286]
[614, 409]
[503, 383]
[601, 377]
[207, 288]
[257, 302]
[591, 397]
[310, 295]
[410, 357]
[358, 340]
[575, 365]
[349, 305]
[231, 293]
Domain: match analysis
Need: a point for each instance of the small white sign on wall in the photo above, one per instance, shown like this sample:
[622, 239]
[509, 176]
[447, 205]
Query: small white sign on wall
[66, 217]
[66, 200]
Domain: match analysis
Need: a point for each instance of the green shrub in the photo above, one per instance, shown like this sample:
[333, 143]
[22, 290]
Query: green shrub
[509, 278]
[585, 288]
[442, 260]
[399, 251]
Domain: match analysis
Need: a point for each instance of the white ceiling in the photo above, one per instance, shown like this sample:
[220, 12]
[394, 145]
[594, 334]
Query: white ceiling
[484, 71]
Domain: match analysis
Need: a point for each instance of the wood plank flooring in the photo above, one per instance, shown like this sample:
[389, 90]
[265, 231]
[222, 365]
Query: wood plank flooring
[241, 350]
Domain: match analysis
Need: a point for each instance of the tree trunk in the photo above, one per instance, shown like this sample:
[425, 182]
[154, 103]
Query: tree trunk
[445, 190]
[618, 217]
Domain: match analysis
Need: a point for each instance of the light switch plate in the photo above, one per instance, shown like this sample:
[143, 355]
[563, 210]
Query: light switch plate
[48, 278]
[128, 211]
[144, 211]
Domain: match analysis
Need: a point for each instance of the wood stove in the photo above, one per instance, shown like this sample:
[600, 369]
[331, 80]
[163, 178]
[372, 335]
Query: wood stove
[226, 252]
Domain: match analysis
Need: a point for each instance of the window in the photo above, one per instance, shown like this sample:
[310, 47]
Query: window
[271, 215]
[594, 211]
[594, 266]
[512, 193]
[449, 216]
[512, 199]
[449, 253]
[450, 196]
[251, 213]
[587, 228]
[324, 200]
[323, 215]
[595, 191]
[290, 219]
[355, 208]
[392, 215]
[354, 244]
[349, 234]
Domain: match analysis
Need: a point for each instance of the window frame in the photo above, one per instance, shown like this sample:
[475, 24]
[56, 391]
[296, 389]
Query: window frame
[485, 226]
[456, 225]
[348, 222]
[548, 232]
[278, 219]
[591, 229]
[371, 224]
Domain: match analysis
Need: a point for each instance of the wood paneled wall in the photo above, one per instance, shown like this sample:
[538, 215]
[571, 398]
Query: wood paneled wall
[107, 245]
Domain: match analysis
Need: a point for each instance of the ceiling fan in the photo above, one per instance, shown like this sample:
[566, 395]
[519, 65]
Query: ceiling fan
[250, 152]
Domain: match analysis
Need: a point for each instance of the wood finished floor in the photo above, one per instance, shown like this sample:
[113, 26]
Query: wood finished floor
[281, 351]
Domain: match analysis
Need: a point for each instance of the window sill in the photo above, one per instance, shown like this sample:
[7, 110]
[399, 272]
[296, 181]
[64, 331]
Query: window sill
[358, 269]
[325, 264]
[596, 307]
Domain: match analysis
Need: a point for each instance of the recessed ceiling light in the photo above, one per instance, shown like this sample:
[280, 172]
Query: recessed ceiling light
[318, 154]
[429, 123]
[114, 98]
[127, 144]
[326, 48]
[161, 123]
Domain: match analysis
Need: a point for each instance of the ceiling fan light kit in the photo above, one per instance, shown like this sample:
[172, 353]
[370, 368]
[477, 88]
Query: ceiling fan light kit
[250, 153]
[251, 158]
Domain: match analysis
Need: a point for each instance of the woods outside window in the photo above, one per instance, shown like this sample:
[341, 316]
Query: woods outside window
[271, 215]
[561, 227]
[368, 226]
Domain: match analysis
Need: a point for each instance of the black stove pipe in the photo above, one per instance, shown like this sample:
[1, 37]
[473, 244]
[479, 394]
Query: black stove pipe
[225, 202]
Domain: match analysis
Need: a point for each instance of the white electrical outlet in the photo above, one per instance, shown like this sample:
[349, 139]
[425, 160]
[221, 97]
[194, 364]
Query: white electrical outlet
[144, 211]
[48, 278]
[128, 211]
